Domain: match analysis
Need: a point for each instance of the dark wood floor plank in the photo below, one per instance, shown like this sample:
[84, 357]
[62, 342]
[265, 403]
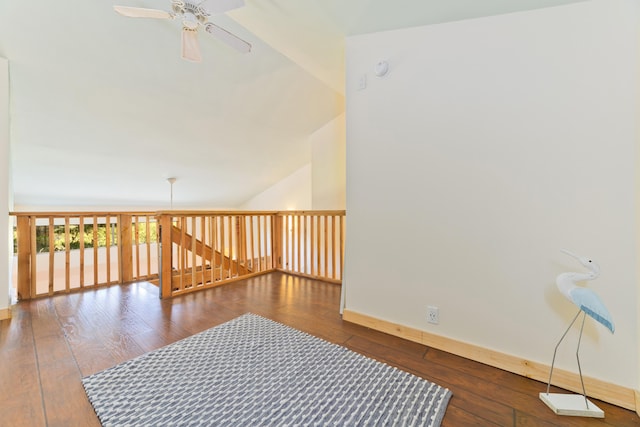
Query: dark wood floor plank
[51, 343]
[529, 420]
[483, 407]
[458, 381]
[457, 417]
[70, 406]
[20, 390]
[22, 409]
[14, 332]
[520, 384]
[488, 373]
[64, 398]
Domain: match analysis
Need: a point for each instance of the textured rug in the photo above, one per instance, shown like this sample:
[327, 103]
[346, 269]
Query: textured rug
[252, 371]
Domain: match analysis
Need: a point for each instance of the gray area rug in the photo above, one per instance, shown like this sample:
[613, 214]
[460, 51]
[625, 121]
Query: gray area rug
[252, 371]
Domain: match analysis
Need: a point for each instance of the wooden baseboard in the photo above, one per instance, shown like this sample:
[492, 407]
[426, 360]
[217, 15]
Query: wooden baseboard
[5, 313]
[611, 393]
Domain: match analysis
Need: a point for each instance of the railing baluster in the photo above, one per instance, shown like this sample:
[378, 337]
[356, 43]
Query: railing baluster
[95, 250]
[334, 249]
[287, 243]
[242, 245]
[291, 243]
[284, 236]
[214, 248]
[194, 239]
[203, 262]
[341, 242]
[223, 247]
[107, 235]
[117, 244]
[81, 249]
[67, 255]
[296, 229]
[147, 232]
[182, 257]
[231, 249]
[261, 253]
[305, 247]
[220, 247]
[234, 225]
[136, 243]
[318, 246]
[34, 255]
[51, 254]
[322, 239]
[251, 253]
[312, 244]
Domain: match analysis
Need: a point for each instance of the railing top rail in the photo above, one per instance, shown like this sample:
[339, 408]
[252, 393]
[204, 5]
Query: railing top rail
[240, 212]
[63, 214]
[211, 212]
[313, 213]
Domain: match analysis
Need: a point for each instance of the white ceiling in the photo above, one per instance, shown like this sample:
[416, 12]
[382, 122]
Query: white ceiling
[103, 109]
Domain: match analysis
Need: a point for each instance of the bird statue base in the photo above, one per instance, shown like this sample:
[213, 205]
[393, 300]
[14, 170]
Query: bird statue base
[571, 404]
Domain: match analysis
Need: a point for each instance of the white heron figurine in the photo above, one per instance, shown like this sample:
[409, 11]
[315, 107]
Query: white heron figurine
[588, 303]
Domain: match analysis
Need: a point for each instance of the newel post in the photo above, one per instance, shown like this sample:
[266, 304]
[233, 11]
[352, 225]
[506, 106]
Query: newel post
[165, 253]
[126, 250]
[276, 257]
[24, 257]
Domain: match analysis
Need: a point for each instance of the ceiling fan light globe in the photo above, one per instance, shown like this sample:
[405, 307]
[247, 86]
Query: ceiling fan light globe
[190, 21]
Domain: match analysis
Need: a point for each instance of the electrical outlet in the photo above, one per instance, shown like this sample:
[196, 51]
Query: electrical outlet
[433, 315]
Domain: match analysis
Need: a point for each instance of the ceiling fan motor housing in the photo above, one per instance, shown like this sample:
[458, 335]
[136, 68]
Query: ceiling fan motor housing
[194, 15]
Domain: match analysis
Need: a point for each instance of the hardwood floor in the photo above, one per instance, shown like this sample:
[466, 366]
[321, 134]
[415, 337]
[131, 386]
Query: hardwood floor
[51, 343]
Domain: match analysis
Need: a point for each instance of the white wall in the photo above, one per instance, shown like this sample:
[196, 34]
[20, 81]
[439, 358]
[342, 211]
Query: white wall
[319, 185]
[328, 171]
[5, 242]
[490, 145]
[292, 193]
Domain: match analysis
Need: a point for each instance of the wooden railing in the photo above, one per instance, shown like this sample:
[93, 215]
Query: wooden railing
[183, 251]
[313, 244]
[65, 251]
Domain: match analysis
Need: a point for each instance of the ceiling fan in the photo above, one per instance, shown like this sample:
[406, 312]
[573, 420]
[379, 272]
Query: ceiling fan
[193, 15]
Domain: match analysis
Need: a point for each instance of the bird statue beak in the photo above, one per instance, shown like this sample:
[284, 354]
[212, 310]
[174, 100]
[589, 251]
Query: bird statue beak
[579, 258]
[586, 262]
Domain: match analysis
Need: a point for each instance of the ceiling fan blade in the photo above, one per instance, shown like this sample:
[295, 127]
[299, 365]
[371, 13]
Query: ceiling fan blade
[190, 45]
[139, 12]
[228, 38]
[215, 7]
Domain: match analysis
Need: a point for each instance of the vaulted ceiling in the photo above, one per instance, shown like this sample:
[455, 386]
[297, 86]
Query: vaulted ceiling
[104, 110]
